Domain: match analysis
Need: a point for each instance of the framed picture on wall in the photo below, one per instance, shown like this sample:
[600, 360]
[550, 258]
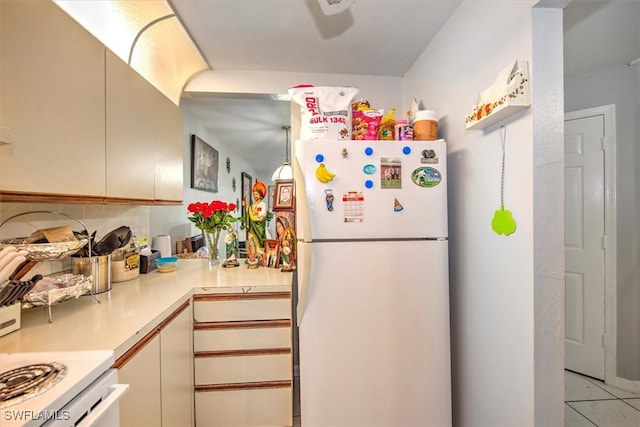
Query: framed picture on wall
[284, 195]
[246, 192]
[204, 165]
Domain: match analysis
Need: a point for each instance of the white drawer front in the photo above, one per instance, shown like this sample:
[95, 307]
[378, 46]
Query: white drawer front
[235, 369]
[230, 310]
[241, 339]
[243, 408]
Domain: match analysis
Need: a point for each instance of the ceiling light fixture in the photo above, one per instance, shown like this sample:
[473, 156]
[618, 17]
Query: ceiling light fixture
[284, 171]
[147, 35]
[333, 7]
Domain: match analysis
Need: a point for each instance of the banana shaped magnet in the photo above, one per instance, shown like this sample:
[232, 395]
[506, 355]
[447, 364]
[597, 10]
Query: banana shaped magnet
[323, 174]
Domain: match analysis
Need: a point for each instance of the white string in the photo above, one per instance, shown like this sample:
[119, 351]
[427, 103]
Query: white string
[503, 140]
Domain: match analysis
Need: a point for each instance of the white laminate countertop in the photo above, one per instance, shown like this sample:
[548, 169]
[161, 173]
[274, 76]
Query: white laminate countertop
[133, 308]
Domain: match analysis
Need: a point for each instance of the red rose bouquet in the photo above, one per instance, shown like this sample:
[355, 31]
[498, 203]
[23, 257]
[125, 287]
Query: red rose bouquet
[212, 218]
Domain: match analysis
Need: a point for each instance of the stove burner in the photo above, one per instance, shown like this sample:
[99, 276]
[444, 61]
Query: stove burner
[20, 384]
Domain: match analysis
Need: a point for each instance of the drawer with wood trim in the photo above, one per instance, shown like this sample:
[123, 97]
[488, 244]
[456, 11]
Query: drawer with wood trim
[242, 366]
[248, 334]
[243, 359]
[247, 407]
[235, 307]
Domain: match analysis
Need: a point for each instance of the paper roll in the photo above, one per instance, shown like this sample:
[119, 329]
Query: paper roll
[162, 243]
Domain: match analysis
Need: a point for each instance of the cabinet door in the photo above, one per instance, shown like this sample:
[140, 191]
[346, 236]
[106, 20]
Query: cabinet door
[144, 137]
[177, 370]
[52, 85]
[141, 405]
[130, 143]
[168, 151]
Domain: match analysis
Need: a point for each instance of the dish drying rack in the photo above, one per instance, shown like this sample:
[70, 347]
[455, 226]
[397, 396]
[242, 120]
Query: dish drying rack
[40, 252]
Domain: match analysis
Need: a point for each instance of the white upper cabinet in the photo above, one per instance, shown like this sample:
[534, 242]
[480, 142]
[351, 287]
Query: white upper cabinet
[144, 137]
[52, 86]
[83, 124]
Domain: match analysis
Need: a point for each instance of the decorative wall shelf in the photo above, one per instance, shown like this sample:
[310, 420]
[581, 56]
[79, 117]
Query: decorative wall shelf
[508, 95]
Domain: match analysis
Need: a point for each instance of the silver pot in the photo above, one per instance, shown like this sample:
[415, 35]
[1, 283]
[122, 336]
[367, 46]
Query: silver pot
[97, 266]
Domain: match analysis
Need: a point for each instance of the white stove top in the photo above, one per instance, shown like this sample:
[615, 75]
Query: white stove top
[83, 367]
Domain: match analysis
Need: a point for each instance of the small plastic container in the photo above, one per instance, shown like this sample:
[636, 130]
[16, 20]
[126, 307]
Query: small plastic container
[404, 131]
[425, 126]
[166, 264]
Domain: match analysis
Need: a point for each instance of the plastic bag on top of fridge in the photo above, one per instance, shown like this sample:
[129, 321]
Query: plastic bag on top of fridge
[325, 112]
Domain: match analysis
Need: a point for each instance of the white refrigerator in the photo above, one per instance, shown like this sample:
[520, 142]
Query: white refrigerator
[373, 283]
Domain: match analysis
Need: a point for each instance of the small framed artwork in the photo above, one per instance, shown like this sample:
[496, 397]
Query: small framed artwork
[283, 199]
[271, 257]
[246, 192]
[204, 166]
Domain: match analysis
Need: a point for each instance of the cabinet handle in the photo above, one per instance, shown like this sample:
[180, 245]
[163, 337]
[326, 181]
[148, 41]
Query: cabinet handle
[249, 352]
[242, 324]
[239, 297]
[243, 386]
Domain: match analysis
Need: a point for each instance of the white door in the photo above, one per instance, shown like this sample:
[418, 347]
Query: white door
[379, 187]
[584, 245]
[374, 334]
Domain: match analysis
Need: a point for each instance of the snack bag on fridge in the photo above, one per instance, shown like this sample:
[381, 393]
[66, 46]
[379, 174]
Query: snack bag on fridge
[325, 112]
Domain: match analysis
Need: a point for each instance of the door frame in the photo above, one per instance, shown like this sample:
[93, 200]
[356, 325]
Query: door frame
[610, 247]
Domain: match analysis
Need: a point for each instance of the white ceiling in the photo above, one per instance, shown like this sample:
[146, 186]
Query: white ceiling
[374, 37]
[379, 37]
[600, 34]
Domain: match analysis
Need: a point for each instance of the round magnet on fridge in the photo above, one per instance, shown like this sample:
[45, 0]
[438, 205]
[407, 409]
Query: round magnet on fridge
[368, 183]
[406, 150]
[319, 158]
[368, 151]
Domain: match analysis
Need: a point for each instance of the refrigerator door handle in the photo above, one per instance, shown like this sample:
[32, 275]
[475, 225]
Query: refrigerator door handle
[304, 277]
[302, 204]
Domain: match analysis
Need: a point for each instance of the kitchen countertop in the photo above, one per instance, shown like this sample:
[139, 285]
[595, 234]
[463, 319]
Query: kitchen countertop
[133, 308]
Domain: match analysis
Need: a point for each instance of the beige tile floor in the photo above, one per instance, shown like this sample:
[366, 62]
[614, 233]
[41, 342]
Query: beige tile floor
[590, 402]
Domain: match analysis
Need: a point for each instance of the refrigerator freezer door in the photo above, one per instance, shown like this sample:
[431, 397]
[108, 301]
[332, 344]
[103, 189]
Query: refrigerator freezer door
[374, 335]
[381, 189]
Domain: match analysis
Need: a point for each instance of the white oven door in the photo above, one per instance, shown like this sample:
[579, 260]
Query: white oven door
[95, 406]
